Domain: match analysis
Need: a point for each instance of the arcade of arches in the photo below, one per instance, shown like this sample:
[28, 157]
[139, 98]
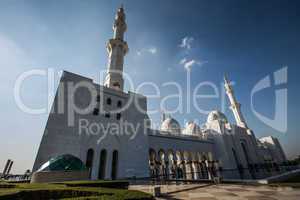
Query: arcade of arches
[169, 164]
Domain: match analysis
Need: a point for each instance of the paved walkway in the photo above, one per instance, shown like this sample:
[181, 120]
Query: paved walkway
[224, 192]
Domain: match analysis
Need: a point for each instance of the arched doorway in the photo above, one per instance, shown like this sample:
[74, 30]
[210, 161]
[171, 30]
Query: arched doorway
[152, 163]
[188, 165]
[205, 173]
[162, 164]
[171, 165]
[89, 160]
[102, 164]
[114, 165]
[180, 173]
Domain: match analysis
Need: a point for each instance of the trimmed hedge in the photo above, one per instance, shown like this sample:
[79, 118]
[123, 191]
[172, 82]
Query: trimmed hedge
[46, 194]
[6, 185]
[105, 197]
[75, 194]
[114, 197]
[83, 190]
[24, 181]
[103, 184]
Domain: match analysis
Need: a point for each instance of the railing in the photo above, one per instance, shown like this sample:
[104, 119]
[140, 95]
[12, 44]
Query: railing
[251, 172]
[17, 177]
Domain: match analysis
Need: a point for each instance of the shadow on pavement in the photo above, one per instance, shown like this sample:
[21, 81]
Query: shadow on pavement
[188, 189]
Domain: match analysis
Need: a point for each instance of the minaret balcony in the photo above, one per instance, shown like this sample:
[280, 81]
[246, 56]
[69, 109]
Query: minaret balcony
[112, 43]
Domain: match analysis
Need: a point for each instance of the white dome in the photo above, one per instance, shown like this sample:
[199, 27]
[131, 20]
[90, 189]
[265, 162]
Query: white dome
[216, 115]
[170, 125]
[192, 129]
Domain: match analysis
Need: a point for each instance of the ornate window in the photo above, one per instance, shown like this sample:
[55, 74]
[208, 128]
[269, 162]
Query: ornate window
[116, 84]
[108, 101]
[118, 117]
[119, 104]
[96, 111]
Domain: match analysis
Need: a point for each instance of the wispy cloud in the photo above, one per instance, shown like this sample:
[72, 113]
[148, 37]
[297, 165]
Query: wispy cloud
[182, 61]
[186, 42]
[151, 50]
[14, 59]
[188, 64]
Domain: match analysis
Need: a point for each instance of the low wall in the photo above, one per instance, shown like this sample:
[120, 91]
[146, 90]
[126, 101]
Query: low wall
[281, 178]
[59, 176]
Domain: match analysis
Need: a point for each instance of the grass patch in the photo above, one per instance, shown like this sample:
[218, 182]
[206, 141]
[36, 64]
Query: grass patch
[27, 191]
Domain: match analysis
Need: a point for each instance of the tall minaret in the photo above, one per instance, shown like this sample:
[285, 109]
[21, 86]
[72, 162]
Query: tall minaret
[234, 105]
[116, 48]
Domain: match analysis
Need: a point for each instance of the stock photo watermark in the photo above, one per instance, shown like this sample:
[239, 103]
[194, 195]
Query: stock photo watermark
[78, 99]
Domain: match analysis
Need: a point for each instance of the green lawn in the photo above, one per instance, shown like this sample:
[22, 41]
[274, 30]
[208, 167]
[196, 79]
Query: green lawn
[65, 191]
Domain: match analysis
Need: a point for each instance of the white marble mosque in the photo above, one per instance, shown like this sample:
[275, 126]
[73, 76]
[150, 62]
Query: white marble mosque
[216, 148]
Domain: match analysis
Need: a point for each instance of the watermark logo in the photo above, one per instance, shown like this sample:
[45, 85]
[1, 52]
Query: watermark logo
[279, 122]
[85, 103]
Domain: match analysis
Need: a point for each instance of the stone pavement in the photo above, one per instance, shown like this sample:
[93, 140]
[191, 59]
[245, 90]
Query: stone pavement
[223, 192]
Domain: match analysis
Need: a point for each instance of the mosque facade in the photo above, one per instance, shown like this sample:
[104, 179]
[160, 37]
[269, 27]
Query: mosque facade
[216, 148]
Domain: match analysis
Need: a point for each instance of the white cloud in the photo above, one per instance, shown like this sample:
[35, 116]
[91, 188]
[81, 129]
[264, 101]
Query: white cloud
[151, 50]
[191, 63]
[188, 65]
[186, 42]
[14, 59]
[182, 61]
[10, 52]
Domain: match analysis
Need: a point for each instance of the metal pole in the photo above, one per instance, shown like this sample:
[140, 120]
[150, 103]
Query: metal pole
[9, 168]
[6, 167]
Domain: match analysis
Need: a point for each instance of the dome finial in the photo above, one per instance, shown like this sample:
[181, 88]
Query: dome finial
[121, 7]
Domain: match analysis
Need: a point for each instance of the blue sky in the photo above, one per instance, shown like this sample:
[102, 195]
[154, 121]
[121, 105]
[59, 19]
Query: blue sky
[247, 40]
